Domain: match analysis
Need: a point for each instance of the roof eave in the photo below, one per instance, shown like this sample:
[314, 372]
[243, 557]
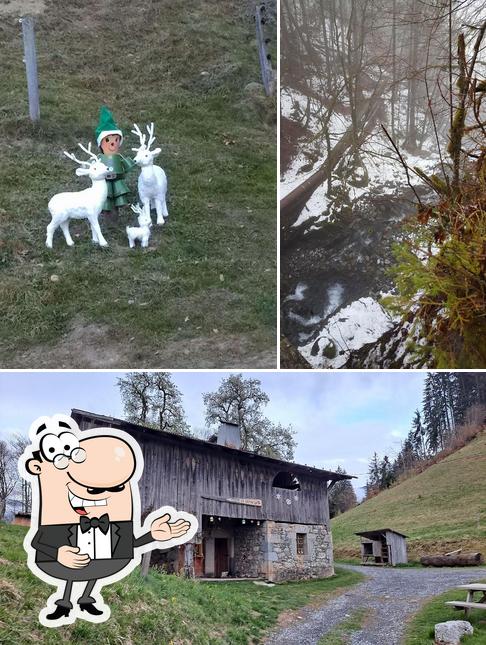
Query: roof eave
[298, 468]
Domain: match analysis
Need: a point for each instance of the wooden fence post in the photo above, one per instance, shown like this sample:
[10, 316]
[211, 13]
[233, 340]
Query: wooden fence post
[31, 67]
[189, 560]
[265, 65]
[145, 566]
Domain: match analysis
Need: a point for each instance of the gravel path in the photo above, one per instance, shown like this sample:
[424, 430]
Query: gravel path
[389, 596]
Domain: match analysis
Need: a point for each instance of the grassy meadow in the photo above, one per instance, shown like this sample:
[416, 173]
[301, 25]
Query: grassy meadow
[161, 609]
[440, 509]
[204, 293]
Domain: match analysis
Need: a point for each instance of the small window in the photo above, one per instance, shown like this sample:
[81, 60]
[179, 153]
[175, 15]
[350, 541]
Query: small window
[286, 480]
[301, 543]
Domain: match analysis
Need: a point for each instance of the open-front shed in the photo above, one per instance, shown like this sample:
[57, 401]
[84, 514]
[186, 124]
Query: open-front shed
[258, 516]
[383, 546]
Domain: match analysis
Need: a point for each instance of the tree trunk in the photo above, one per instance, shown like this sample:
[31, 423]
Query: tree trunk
[394, 68]
[145, 566]
[459, 560]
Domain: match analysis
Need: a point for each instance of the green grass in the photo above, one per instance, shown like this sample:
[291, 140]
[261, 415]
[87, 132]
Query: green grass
[421, 628]
[441, 509]
[213, 265]
[340, 634]
[162, 609]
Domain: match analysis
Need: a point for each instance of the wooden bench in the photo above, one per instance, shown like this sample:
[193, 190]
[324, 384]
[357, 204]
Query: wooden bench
[469, 603]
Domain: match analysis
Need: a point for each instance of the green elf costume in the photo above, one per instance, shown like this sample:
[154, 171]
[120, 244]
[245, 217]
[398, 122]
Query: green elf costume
[109, 138]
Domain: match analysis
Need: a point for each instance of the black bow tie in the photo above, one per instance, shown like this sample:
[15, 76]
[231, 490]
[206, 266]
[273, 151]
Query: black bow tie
[102, 523]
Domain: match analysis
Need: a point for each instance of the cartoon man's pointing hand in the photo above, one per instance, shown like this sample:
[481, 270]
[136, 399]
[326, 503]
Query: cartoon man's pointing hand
[86, 514]
[162, 529]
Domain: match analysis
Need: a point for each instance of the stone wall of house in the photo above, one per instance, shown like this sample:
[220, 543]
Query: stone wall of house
[270, 551]
[249, 553]
[282, 560]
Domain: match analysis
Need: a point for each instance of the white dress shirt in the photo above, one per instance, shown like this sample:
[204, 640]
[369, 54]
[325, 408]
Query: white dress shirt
[95, 543]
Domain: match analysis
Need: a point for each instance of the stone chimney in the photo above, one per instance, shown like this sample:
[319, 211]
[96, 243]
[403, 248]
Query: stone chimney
[229, 435]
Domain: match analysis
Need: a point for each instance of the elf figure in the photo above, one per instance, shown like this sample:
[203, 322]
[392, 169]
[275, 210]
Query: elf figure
[109, 138]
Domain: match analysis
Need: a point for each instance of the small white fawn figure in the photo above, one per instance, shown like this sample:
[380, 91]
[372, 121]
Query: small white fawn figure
[142, 231]
[152, 181]
[85, 204]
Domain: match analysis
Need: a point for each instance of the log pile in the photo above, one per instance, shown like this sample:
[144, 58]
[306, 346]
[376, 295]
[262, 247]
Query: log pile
[453, 559]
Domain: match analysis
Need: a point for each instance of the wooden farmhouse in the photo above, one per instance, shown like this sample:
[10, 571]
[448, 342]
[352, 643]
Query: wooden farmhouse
[383, 546]
[258, 516]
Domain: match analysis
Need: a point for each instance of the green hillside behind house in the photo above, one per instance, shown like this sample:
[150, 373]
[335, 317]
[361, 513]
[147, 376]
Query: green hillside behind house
[162, 609]
[440, 509]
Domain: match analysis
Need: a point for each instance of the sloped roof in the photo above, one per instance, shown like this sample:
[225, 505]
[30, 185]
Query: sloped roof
[189, 442]
[377, 532]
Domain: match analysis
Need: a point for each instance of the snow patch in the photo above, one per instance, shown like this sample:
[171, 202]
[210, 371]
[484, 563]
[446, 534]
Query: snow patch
[361, 322]
[334, 299]
[298, 294]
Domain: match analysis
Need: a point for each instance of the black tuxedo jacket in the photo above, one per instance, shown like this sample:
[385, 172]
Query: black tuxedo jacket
[50, 537]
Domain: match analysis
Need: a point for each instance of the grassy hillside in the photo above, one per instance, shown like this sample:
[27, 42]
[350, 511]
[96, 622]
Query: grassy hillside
[441, 509]
[203, 294]
[162, 609]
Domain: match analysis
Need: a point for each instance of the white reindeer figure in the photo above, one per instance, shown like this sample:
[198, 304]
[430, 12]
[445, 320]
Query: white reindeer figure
[142, 231]
[152, 181]
[85, 204]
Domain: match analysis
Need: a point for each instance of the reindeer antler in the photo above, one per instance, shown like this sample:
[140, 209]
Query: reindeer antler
[88, 150]
[150, 130]
[136, 130]
[136, 208]
[79, 161]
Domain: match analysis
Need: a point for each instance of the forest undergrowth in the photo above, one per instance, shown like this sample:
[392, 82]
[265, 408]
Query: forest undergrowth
[441, 270]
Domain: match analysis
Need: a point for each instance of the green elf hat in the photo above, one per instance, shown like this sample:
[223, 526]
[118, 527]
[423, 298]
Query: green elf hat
[106, 125]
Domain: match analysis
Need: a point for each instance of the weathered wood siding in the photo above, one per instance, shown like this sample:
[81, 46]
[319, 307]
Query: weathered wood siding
[197, 479]
[398, 548]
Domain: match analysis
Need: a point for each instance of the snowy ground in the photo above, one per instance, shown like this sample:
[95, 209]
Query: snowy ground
[361, 322]
[384, 170]
[293, 105]
[341, 326]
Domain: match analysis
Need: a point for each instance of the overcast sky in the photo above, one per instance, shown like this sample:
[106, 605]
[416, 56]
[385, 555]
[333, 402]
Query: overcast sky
[340, 418]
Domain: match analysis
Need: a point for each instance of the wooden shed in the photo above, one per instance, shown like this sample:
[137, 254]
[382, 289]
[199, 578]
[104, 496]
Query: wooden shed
[384, 547]
[258, 516]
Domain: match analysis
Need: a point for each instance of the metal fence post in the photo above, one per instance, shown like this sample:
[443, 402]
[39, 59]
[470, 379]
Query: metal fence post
[31, 67]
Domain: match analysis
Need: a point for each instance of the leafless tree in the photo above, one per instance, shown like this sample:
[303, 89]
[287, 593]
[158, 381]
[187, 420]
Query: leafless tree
[241, 400]
[8, 474]
[153, 399]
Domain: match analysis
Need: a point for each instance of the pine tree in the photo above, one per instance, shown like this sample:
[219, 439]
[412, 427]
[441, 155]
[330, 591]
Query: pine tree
[386, 473]
[419, 435]
[342, 496]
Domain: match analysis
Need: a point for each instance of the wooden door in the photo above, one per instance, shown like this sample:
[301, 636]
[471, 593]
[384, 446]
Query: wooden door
[199, 559]
[221, 561]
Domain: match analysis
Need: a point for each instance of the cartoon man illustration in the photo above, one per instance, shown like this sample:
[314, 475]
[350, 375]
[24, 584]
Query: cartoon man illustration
[86, 515]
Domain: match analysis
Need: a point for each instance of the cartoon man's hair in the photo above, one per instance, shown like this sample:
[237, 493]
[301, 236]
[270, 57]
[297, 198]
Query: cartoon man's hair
[36, 454]
[50, 431]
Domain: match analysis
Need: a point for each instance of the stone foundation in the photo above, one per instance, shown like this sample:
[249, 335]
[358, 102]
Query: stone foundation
[249, 541]
[282, 560]
[270, 551]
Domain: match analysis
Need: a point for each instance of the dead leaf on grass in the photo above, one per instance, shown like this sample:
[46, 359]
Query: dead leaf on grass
[10, 589]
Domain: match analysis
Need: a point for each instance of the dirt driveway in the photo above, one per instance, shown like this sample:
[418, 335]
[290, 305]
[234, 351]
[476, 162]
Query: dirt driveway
[388, 596]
